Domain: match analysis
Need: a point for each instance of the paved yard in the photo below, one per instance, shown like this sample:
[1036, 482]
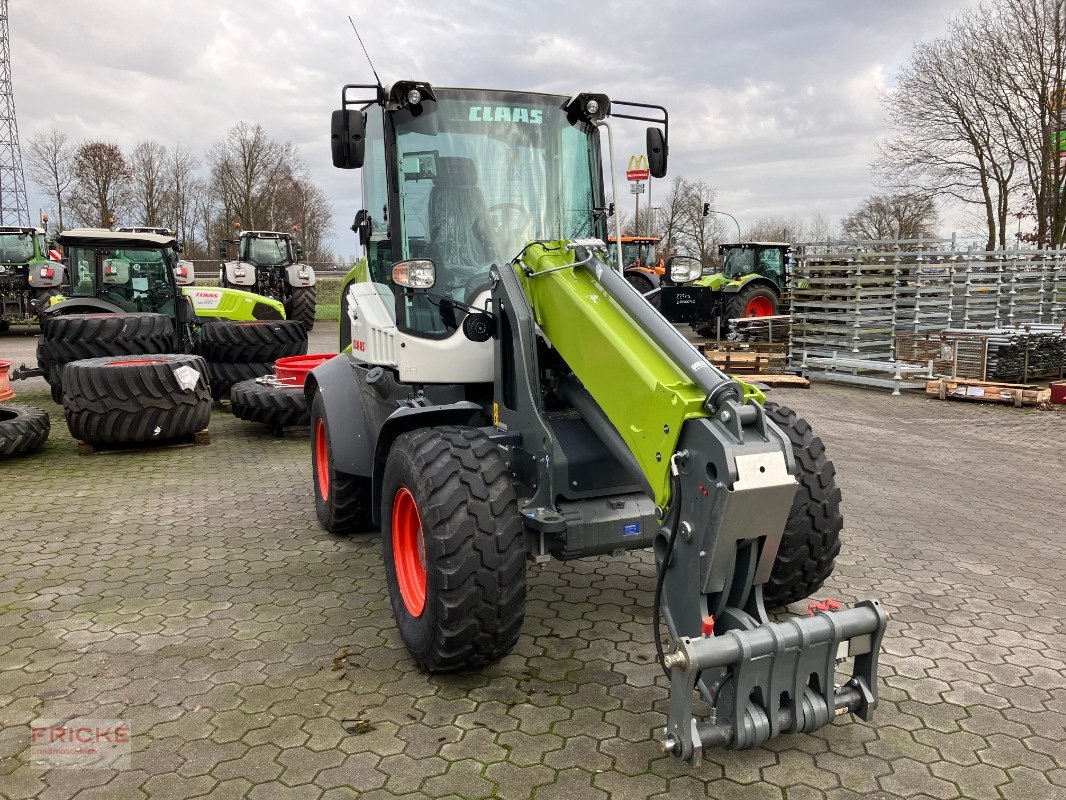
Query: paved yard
[190, 593]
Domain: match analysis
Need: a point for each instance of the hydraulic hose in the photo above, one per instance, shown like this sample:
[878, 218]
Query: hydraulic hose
[671, 523]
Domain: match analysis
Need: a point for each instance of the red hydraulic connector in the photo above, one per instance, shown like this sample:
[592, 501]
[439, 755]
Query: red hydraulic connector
[708, 627]
[823, 605]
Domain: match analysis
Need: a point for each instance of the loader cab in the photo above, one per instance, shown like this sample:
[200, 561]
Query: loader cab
[767, 259]
[465, 178]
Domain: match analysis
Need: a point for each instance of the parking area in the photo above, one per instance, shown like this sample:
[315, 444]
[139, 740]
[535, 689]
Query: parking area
[190, 593]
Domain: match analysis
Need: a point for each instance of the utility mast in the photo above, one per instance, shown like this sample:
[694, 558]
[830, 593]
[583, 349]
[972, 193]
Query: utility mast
[14, 209]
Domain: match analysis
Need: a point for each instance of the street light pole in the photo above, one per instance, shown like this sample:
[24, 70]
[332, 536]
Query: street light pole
[708, 210]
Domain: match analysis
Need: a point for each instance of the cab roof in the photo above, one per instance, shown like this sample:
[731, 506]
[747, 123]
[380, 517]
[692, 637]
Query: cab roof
[103, 237]
[20, 229]
[268, 234]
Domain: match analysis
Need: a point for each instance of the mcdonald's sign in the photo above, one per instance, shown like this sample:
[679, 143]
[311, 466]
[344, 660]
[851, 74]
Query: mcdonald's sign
[637, 169]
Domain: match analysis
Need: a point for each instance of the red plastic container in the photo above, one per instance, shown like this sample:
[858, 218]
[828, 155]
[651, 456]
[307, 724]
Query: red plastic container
[1058, 392]
[293, 370]
[6, 392]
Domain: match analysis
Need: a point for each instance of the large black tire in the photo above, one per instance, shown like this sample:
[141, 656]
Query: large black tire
[223, 375]
[455, 549]
[123, 399]
[273, 406]
[811, 540]
[250, 342]
[53, 373]
[74, 337]
[302, 306]
[342, 501]
[22, 429]
[751, 301]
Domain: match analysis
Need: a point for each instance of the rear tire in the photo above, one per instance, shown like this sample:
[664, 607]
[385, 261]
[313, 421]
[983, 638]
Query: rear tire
[753, 300]
[811, 539]
[124, 399]
[302, 304]
[22, 429]
[248, 342]
[643, 284]
[273, 406]
[342, 501]
[459, 596]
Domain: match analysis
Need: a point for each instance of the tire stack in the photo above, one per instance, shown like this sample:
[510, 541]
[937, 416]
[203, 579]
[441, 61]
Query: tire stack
[79, 336]
[270, 403]
[243, 351]
[134, 399]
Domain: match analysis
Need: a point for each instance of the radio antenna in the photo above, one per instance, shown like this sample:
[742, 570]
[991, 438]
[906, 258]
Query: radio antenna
[365, 53]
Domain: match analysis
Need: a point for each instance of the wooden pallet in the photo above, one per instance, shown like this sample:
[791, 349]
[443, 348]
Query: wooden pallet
[778, 380]
[1016, 394]
[742, 358]
[193, 439]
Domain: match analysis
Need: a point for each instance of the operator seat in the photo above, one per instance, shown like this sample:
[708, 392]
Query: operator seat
[460, 228]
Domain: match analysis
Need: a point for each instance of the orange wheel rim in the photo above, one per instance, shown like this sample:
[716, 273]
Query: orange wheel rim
[409, 552]
[322, 458]
[759, 307]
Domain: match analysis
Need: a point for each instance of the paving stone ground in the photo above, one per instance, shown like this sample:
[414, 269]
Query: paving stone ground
[191, 593]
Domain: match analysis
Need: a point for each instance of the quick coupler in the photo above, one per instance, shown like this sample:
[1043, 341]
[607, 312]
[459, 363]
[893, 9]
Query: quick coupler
[775, 678]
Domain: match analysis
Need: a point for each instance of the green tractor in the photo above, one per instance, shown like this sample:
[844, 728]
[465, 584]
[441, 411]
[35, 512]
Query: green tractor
[751, 284]
[130, 294]
[29, 278]
[508, 397]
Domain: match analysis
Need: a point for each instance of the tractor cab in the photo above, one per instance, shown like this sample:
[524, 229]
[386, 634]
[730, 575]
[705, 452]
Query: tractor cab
[28, 275]
[637, 251]
[767, 259]
[120, 271]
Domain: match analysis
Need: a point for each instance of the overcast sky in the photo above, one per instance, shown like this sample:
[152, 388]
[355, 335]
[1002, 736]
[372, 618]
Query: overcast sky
[772, 101]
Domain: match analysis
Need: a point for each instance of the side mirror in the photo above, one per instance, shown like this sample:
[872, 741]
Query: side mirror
[657, 152]
[348, 138]
[222, 251]
[363, 225]
[683, 269]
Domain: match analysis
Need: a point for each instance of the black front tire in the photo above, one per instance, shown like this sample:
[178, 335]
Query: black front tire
[302, 305]
[473, 548]
[342, 501]
[22, 429]
[811, 539]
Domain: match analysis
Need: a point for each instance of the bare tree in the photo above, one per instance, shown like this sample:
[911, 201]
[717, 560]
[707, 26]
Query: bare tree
[899, 216]
[148, 167]
[102, 191]
[182, 187]
[699, 233]
[775, 229]
[50, 165]
[245, 168]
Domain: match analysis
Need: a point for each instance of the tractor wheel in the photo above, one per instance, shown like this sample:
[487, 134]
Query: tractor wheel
[342, 501]
[53, 373]
[22, 429]
[122, 399]
[5, 326]
[247, 342]
[223, 375]
[301, 305]
[811, 540]
[643, 285]
[74, 337]
[454, 547]
[754, 300]
[274, 406]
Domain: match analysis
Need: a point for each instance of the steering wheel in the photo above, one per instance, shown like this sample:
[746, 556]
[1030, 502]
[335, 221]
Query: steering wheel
[513, 220]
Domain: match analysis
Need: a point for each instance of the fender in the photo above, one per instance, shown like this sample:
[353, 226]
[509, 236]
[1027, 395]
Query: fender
[746, 281]
[411, 418]
[38, 278]
[83, 305]
[233, 279]
[299, 276]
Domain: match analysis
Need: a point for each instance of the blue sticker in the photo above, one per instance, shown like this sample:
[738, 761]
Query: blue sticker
[631, 529]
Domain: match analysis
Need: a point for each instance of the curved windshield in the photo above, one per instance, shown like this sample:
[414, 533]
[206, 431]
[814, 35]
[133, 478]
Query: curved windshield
[16, 248]
[267, 252]
[739, 262]
[480, 175]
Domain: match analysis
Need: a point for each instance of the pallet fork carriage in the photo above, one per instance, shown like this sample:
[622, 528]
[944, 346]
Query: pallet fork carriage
[508, 395]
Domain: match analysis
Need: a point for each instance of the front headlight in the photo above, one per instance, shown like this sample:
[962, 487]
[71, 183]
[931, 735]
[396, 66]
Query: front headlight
[418, 273]
[685, 271]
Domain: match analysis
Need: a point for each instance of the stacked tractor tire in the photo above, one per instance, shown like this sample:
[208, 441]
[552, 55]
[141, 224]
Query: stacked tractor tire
[120, 381]
[237, 352]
